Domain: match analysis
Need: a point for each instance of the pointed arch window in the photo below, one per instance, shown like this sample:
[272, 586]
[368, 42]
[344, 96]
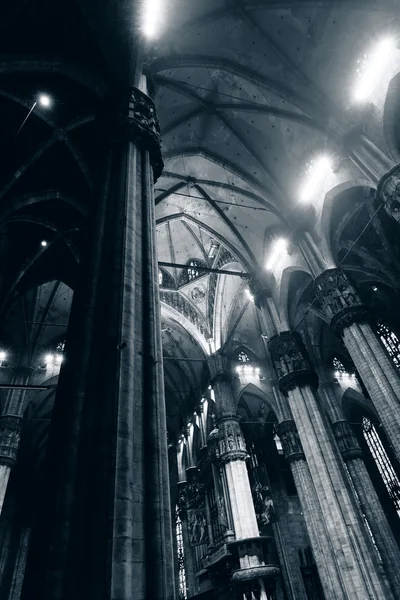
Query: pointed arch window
[338, 366]
[181, 556]
[344, 374]
[391, 343]
[243, 357]
[193, 273]
[382, 461]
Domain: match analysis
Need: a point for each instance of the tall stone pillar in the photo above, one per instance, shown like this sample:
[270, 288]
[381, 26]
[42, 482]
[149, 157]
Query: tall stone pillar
[344, 544]
[11, 427]
[353, 551]
[255, 580]
[10, 434]
[349, 319]
[367, 496]
[316, 528]
[106, 529]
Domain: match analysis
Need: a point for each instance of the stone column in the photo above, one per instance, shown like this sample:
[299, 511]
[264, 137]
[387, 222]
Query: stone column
[106, 530]
[10, 434]
[349, 319]
[256, 577]
[388, 192]
[366, 494]
[20, 563]
[353, 551]
[316, 527]
[11, 427]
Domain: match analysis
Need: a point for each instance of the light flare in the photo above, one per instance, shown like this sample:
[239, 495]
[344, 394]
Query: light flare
[315, 176]
[372, 68]
[279, 249]
[152, 13]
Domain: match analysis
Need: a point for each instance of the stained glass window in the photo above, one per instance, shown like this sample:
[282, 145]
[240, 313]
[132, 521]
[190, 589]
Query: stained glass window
[338, 365]
[382, 461]
[342, 373]
[181, 557]
[243, 357]
[193, 273]
[391, 343]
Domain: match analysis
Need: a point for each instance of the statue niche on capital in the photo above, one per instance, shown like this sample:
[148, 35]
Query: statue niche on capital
[292, 360]
[336, 293]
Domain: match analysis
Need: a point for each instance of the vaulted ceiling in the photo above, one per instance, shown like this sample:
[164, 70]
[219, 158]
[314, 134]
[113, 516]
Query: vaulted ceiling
[247, 93]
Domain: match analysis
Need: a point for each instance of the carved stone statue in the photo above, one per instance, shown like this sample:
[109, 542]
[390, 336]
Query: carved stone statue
[289, 437]
[290, 359]
[197, 527]
[231, 442]
[389, 192]
[338, 299]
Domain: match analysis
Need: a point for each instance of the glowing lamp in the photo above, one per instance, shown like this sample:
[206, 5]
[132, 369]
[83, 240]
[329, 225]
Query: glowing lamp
[49, 359]
[44, 100]
[3, 356]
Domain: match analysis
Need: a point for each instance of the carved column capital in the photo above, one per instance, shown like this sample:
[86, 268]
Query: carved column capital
[260, 286]
[389, 192]
[347, 441]
[231, 444]
[290, 440]
[134, 117]
[291, 361]
[219, 366]
[10, 434]
[339, 300]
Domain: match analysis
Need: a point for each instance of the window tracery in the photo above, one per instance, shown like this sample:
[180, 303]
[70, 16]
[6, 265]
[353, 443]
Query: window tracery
[192, 272]
[343, 373]
[391, 343]
[181, 557]
[243, 357]
[338, 365]
[382, 461]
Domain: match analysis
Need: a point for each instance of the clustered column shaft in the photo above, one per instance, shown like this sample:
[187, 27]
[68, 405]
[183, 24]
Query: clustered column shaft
[232, 454]
[367, 496]
[106, 529]
[353, 552]
[349, 318]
